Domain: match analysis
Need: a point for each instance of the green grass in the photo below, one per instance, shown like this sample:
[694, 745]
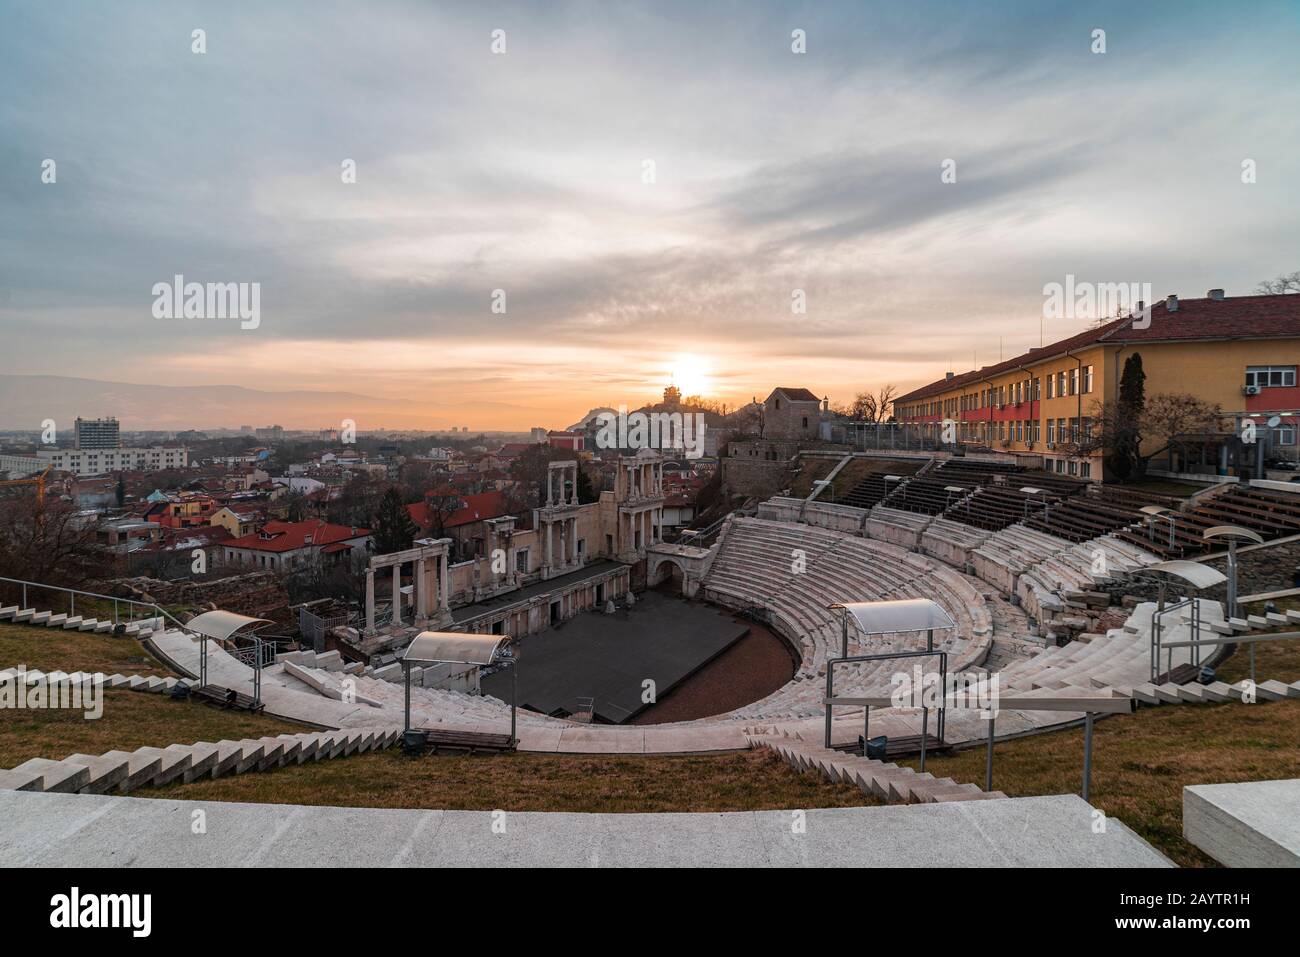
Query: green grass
[1142, 761]
[51, 649]
[130, 720]
[737, 781]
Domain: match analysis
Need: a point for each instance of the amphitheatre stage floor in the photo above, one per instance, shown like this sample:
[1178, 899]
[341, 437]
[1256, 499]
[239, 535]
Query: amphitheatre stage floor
[85, 830]
[607, 657]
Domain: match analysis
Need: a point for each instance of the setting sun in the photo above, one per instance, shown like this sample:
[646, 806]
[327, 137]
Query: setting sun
[690, 373]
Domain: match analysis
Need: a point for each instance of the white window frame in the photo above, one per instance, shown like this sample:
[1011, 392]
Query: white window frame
[1285, 375]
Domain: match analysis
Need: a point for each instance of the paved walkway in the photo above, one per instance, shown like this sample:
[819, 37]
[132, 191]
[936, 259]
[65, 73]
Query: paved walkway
[81, 830]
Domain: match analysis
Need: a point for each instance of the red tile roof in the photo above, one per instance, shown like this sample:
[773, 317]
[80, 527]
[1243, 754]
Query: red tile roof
[1238, 317]
[286, 536]
[473, 508]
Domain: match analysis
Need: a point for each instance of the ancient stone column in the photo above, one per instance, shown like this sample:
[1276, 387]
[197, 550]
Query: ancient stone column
[397, 594]
[370, 600]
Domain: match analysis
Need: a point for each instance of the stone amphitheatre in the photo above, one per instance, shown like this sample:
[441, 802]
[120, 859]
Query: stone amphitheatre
[1075, 604]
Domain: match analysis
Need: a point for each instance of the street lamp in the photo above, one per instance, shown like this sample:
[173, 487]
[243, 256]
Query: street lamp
[1153, 511]
[1232, 534]
[1031, 491]
[950, 489]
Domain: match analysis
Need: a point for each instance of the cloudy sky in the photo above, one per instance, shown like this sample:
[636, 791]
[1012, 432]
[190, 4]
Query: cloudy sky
[526, 172]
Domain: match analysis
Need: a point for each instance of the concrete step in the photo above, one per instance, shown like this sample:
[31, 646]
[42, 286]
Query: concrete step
[7, 612]
[60, 777]
[236, 757]
[272, 753]
[72, 623]
[204, 758]
[1273, 690]
[107, 771]
[55, 621]
[173, 764]
[141, 769]
[40, 618]
[20, 781]
[24, 614]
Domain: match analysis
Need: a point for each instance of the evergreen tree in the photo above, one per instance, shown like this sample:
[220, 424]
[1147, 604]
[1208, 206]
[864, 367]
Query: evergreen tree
[586, 493]
[1127, 441]
[394, 529]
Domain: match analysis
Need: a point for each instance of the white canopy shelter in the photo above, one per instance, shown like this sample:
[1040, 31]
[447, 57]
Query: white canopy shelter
[221, 624]
[891, 617]
[466, 648]
[454, 647]
[1232, 532]
[1193, 573]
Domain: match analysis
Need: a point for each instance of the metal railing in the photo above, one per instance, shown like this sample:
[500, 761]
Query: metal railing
[130, 605]
[866, 709]
[1158, 644]
[697, 537]
[143, 610]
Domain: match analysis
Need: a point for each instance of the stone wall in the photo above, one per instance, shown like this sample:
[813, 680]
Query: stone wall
[260, 594]
[1261, 569]
[755, 477]
[1266, 568]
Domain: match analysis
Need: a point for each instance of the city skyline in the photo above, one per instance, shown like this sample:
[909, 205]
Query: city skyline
[658, 224]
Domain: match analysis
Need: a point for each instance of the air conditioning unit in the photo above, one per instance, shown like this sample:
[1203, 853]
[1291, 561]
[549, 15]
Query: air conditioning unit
[1250, 390]
[1051, 445]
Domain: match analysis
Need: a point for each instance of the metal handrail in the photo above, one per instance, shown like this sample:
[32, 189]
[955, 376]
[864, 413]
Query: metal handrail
[153, 606]
[162, 612]
[866, 709]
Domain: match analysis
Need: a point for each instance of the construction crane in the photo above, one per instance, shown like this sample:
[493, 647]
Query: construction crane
[37, 480]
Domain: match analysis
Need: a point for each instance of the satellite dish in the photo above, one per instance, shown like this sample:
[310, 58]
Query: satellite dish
[1274, 421]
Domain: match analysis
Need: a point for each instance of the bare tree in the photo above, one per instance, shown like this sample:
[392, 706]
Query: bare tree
[869, 406]
[441, 505]
[48, 542]
[1162, 423]
[1287, 282]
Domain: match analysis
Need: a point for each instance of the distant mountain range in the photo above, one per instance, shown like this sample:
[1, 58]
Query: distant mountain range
[27, 400]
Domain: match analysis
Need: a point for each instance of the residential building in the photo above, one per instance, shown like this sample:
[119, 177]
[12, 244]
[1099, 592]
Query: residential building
[102, 461]
[97, 434]
[1240, 353]
[284, 546]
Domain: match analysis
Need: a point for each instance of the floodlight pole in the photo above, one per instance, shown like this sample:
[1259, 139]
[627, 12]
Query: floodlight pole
[988, 760]
[1232, 578]
[514, 700]
[1087, 755]
[406, 675]
[925, 729]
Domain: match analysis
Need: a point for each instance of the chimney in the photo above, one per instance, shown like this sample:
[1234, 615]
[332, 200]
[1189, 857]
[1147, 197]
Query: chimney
[1171, 304]
[948, 376]
[1215, 294]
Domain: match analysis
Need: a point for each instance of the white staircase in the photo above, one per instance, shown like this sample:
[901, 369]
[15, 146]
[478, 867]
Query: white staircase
[121, 772]
[890, 782]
